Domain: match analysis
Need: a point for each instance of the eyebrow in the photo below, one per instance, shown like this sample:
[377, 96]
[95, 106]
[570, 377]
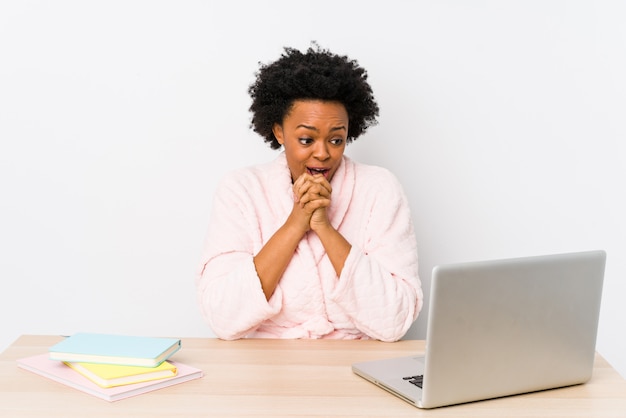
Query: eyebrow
[313, 128]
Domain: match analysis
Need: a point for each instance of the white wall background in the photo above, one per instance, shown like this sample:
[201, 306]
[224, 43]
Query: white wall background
[505, 121]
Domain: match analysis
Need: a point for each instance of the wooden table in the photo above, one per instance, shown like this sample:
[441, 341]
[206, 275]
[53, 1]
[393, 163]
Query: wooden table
[285, 378]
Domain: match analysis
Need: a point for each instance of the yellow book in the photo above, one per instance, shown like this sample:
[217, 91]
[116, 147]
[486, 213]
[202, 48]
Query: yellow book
[110, 375]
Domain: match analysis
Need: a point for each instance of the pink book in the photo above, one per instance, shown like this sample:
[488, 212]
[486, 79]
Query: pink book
[60, 372]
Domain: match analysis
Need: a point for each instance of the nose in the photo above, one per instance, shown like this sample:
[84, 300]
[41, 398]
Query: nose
[320, 151]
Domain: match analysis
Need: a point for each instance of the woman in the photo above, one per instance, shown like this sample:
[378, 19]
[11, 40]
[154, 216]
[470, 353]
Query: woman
[312, 244]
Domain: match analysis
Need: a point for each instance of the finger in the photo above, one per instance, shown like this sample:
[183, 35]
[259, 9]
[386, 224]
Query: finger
[300, 186]
[315, 183]
[308, 192]
[315, 204]
[322, 181]
[314, 194]
[306, 185]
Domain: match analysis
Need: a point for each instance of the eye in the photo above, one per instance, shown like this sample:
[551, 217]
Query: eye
[305, 140]
[336, 141]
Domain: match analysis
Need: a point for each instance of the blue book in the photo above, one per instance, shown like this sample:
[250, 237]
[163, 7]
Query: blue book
[114, 349]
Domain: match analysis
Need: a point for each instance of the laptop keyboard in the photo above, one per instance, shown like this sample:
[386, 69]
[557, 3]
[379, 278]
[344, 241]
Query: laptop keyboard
[416, 380]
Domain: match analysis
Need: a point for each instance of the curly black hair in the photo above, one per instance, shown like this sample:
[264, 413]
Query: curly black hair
[317, 74]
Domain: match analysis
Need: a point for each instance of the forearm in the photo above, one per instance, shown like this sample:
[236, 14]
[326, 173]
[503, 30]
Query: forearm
[336, 246]
[272, 260]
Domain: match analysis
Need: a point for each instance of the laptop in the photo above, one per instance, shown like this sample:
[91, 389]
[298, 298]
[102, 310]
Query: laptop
[499, 328]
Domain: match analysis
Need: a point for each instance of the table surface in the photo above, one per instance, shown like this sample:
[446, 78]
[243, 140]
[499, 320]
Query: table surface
[285, 378]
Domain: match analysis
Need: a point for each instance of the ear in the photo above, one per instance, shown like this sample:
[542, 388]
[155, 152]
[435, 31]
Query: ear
[278, 133]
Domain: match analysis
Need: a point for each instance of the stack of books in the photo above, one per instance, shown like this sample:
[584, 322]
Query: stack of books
[112, 367]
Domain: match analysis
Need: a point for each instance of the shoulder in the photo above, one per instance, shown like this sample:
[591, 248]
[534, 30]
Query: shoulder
[373, 176]
[379, 187]
[247, 177]
[239, 185]
[243, 174]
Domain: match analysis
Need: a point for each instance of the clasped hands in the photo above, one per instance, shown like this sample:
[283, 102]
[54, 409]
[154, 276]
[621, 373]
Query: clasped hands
[311, 198]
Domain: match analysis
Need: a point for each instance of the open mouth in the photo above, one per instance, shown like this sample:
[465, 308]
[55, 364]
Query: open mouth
[314, 171]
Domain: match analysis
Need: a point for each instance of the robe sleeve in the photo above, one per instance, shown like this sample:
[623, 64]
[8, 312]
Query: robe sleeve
[379, 287]
[230, 295]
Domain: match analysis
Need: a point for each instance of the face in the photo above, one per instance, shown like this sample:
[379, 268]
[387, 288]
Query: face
[313, 134]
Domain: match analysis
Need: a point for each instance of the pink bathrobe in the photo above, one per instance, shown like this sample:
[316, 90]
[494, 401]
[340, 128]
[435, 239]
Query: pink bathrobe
[378, 294]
